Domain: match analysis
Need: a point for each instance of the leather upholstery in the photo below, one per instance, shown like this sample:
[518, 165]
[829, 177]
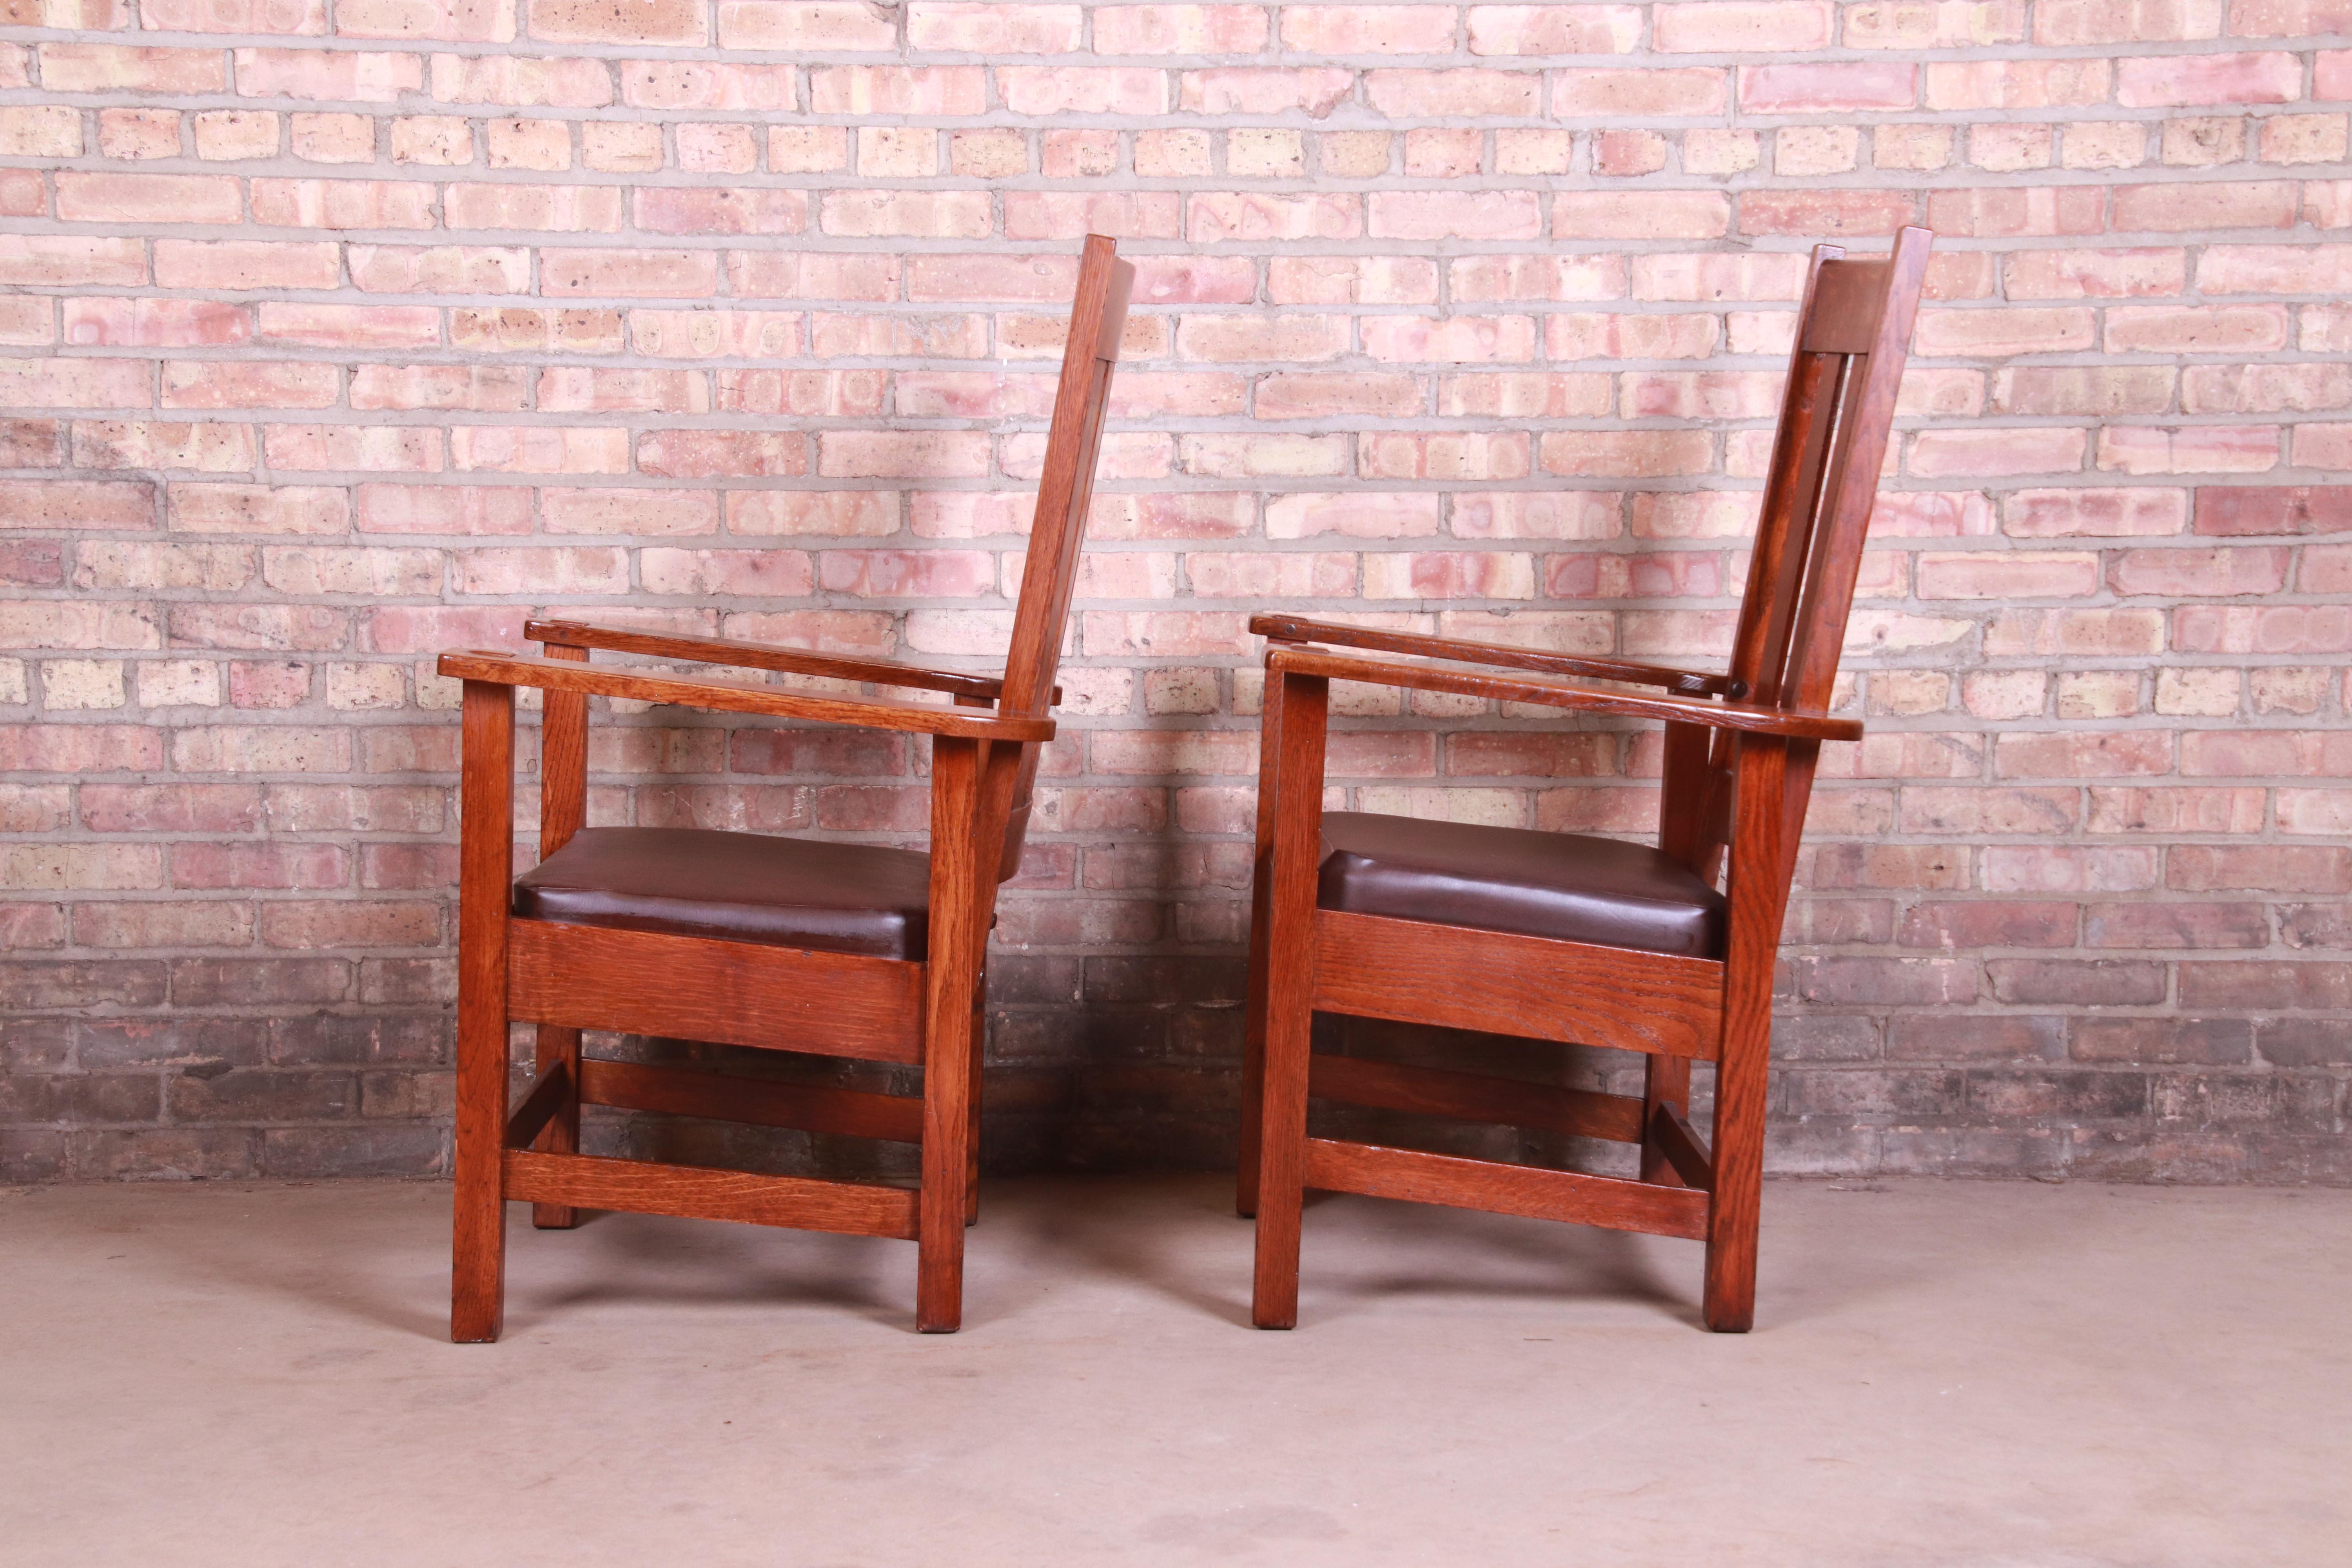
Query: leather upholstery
[1566, 886]
[744, 886]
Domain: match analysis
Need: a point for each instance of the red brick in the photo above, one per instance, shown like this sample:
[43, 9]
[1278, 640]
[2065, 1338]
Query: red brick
[2136, 511]
[674, 210]
[514, 81]
[451, 21]
[2195, 573]
[2246, 203]
[1860, 87]
[1999, 212]
[2274, 509]
[1258, 91]
[148, 198]
[115, 68]
[1661, 215]
[896, 90]
[2094, 274]
[2170, 81]
[629, 22]
[827, 25]
[2020, 575]
[1609, 93]
[2206, 869]
[314, 924]
[1251, 216]
[2061, 23]
[2018, 83]
[703, 454]
[352, 76]
[257, 865]
[456, 509]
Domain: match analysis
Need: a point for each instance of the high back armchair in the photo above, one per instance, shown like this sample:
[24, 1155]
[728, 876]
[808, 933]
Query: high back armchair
[1564, 937]
[739, 939]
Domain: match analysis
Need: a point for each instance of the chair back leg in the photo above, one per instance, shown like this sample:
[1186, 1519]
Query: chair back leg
[1757, 897]
[953, 971]
[486, 859]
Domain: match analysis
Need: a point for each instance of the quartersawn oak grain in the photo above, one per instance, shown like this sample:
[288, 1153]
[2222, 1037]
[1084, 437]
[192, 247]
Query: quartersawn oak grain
[1411, 1174]
[1575, 993]
[727, 993]
[690, 1191]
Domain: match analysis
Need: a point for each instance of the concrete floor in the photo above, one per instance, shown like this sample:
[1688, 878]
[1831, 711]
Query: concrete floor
[1944, 1373]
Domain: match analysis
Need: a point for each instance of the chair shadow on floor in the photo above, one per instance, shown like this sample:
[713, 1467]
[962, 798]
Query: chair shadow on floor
[610, 1258]
[1425, 1252]
[1185, 1245]
[404, 1291]
[636, 1260]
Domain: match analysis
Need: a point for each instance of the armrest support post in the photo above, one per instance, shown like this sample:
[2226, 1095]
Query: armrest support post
[563, 760]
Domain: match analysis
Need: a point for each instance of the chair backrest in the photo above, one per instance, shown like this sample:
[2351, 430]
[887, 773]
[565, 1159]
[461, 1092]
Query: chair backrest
[1854, 333]
[1064, 489]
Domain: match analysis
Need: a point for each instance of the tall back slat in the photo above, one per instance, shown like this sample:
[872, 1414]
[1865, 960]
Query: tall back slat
[1854, 334]
[1874, 376]
[1064, 492]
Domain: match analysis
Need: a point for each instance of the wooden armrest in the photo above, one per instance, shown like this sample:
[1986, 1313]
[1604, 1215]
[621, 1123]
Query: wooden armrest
[766, 656]
[1298, 630]
[1554, 693]
[739, 697]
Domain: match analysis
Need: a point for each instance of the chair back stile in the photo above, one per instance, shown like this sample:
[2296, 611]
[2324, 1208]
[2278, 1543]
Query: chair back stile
[1058, 533]
[1853, 330]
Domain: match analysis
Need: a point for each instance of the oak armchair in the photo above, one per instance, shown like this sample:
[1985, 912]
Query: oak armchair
[1564, 937]
[741, 939]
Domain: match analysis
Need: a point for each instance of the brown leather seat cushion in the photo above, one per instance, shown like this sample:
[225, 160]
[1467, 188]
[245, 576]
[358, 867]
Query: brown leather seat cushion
[748, 887]
[1566, 886]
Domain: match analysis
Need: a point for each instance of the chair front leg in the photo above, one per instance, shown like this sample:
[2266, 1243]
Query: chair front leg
[485, 866]
[1757, 896]
[1269, 773]
[1289, 1001]
[951, 974]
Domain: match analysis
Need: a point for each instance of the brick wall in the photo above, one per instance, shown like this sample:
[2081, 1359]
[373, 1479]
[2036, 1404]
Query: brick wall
[342, 331]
